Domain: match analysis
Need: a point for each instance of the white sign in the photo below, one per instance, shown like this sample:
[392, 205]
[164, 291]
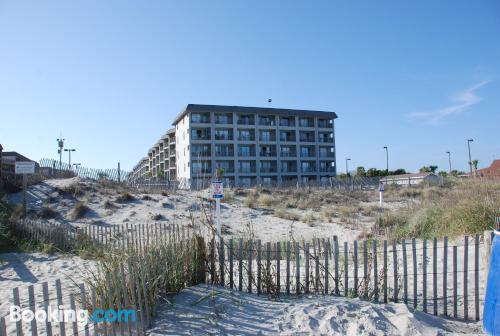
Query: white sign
[381, 188]
[217, 190]
[25, 167]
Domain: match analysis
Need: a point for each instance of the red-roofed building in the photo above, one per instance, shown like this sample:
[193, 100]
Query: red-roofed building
[492, 171]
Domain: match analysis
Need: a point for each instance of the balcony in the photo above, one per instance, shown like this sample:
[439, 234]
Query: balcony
[250, 152]
[306, 122]
[267, 121]
[223, 135]
[246, 120]
[247, 170]
[200, 134]
[288, 153]
[267, 153]
[224, 152]
[223, 119]
[308, 169]
[287, 136]
[326, 170]
[267, 136]
[196, 154]
[307, 154]
[287, 121]
[200, 118]
[325, 123]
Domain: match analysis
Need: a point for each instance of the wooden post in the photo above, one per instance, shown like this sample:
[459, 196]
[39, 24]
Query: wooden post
[375, 270]
[355, 259]
[268, 267]
[414, 253]
[16, 301]
[395, 269]
[445, 276]
[297, 268]
[221, 261]
[62, 327]
[336, 252]
[32, 305]
[424, 265]
[287, 268]
[3, 329]
[48, 325]
[405, 273]
[306, 256]
[249, 266]
[466, 264]
[278, 260]
[212, 261]
[240, 266]
[385, 271]
[476, 277]
[455, 302]
[259, 266]
[434, 274]
[346, 269]
[327, 248]
[365, 268]
[231, 264]
[487, 246]
[316, 255]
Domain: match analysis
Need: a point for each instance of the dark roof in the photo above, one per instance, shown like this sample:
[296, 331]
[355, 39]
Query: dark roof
[251, 110]
[19, 157]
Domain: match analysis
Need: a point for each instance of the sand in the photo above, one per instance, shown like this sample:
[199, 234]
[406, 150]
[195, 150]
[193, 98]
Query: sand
[206, 310]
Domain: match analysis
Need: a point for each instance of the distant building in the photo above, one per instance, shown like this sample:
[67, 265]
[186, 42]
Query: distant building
[412, 179]
[9, 159]
[492, 171]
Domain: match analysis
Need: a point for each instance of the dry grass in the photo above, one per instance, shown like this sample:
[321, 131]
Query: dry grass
[287, 214]
[47, 212]
[78, 211]
[464, 207]
[125, 197]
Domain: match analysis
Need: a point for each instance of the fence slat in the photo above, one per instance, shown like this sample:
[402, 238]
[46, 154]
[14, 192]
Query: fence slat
[455, 302]
[316, 257]
[231, 264]
[395, 270]
[221, 262]
[336, 256]
[355, 260]
[346, 269]
[365, 268]
[385, 271]
[240, 266]
[249, 266]
[259, 268]
[62, 327]
[375, 271]
[32, 305]
[268, 267]
[297, 268]
[15, 297]
[445, 276]
[434, 275]
[287, 284]
[466, 265]
[476, 277]
[405, 272]
[415, 288]
[48, 324]
[306, 256]
[278, 261]
[327, 249]
[3, 329]
[424, 275]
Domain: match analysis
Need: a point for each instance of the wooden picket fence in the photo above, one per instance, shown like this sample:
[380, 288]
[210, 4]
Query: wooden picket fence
[433, 276]
[54, 168]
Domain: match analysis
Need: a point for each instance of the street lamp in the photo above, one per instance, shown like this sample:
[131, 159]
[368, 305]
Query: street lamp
[386, 163]
[470, 160]
[449, 160]
[346, 167]
[69, 150]
[60, 144]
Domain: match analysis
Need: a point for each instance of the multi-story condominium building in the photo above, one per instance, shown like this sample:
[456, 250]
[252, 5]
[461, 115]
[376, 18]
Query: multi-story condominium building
[160, 161]
[253, 145]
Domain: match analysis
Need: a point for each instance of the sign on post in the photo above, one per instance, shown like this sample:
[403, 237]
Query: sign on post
[25, 167]
[217, 190]
[381, 193]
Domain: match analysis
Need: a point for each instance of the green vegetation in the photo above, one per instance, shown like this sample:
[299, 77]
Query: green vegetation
[463, 208]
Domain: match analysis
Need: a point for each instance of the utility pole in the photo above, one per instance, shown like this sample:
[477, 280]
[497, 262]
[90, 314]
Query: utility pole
[470, 160]
[69, 150]
[60, 143]
[449, 160]
[1, 149]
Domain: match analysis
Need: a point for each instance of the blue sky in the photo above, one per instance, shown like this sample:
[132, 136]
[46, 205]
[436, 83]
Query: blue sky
[420, 77]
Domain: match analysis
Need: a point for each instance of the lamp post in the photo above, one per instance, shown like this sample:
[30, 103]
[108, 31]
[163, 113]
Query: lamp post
[60, 144]
[69, 150]
[470, 160]
[386, 163]
[449, 160]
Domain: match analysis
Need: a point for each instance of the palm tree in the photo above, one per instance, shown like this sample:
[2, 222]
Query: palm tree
[474, 164]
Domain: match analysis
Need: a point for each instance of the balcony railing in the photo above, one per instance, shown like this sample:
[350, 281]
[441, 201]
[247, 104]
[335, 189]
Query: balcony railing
[201, 153]
[246, 153]
[287, 138]
[326, 155]
[200, 120]
[307, 139]
[271, 154]
[288, 154]
[287, 123]
[202, 170]
[308, 154]
[324, 124]
[246, 121]
[268, 170]
[246, 137]
[308, 169]
[326, 170]
[325, 140]
[223, 137]
[267, 122]
[288, 169]
[246, 170]
[224, 153]
[268, 138]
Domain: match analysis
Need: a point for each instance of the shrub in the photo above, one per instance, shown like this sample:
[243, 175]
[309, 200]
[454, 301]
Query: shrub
[125, 197]
[78, 211]
[47, 212]
[286, 214]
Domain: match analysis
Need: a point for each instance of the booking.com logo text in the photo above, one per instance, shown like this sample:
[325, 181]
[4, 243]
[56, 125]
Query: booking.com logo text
[80, 316]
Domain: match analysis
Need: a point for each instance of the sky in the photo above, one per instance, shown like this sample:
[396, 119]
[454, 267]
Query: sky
[420, 77]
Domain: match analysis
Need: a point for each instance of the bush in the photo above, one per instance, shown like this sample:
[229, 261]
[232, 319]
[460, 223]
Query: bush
[285, 214]
[125, 197]
[47, 213]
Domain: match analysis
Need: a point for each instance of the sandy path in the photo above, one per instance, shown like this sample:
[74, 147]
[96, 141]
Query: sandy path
[194, 312]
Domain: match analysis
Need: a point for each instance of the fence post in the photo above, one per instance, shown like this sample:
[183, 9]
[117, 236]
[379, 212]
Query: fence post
[19, 324]
[327, 247]
[278, 260]
[221, 261]
[231, 264]
[375, 270]
[240, 266]
[466, 265]
[385, 271]
[336, 252]
[32, 305]
[346, 269]
[288, 267]
[306, 256]
[259, 266]
[45, 291]
[414, 253]
[297, 268]
[405, 272]
[445, 276]
[476, 277]
[434, 274]
[250, 261]
[395, 269]
[355, 257]
[455, 303]
[424, 265]
[268, 267]
[365, 268]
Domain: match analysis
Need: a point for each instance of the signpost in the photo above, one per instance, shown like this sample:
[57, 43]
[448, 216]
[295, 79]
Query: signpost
[24, 168]
[218, 194]
[381, 192]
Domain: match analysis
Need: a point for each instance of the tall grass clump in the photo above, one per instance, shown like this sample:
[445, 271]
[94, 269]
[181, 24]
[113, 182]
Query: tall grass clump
[148, 276]
[78, 211]
[466, 208]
